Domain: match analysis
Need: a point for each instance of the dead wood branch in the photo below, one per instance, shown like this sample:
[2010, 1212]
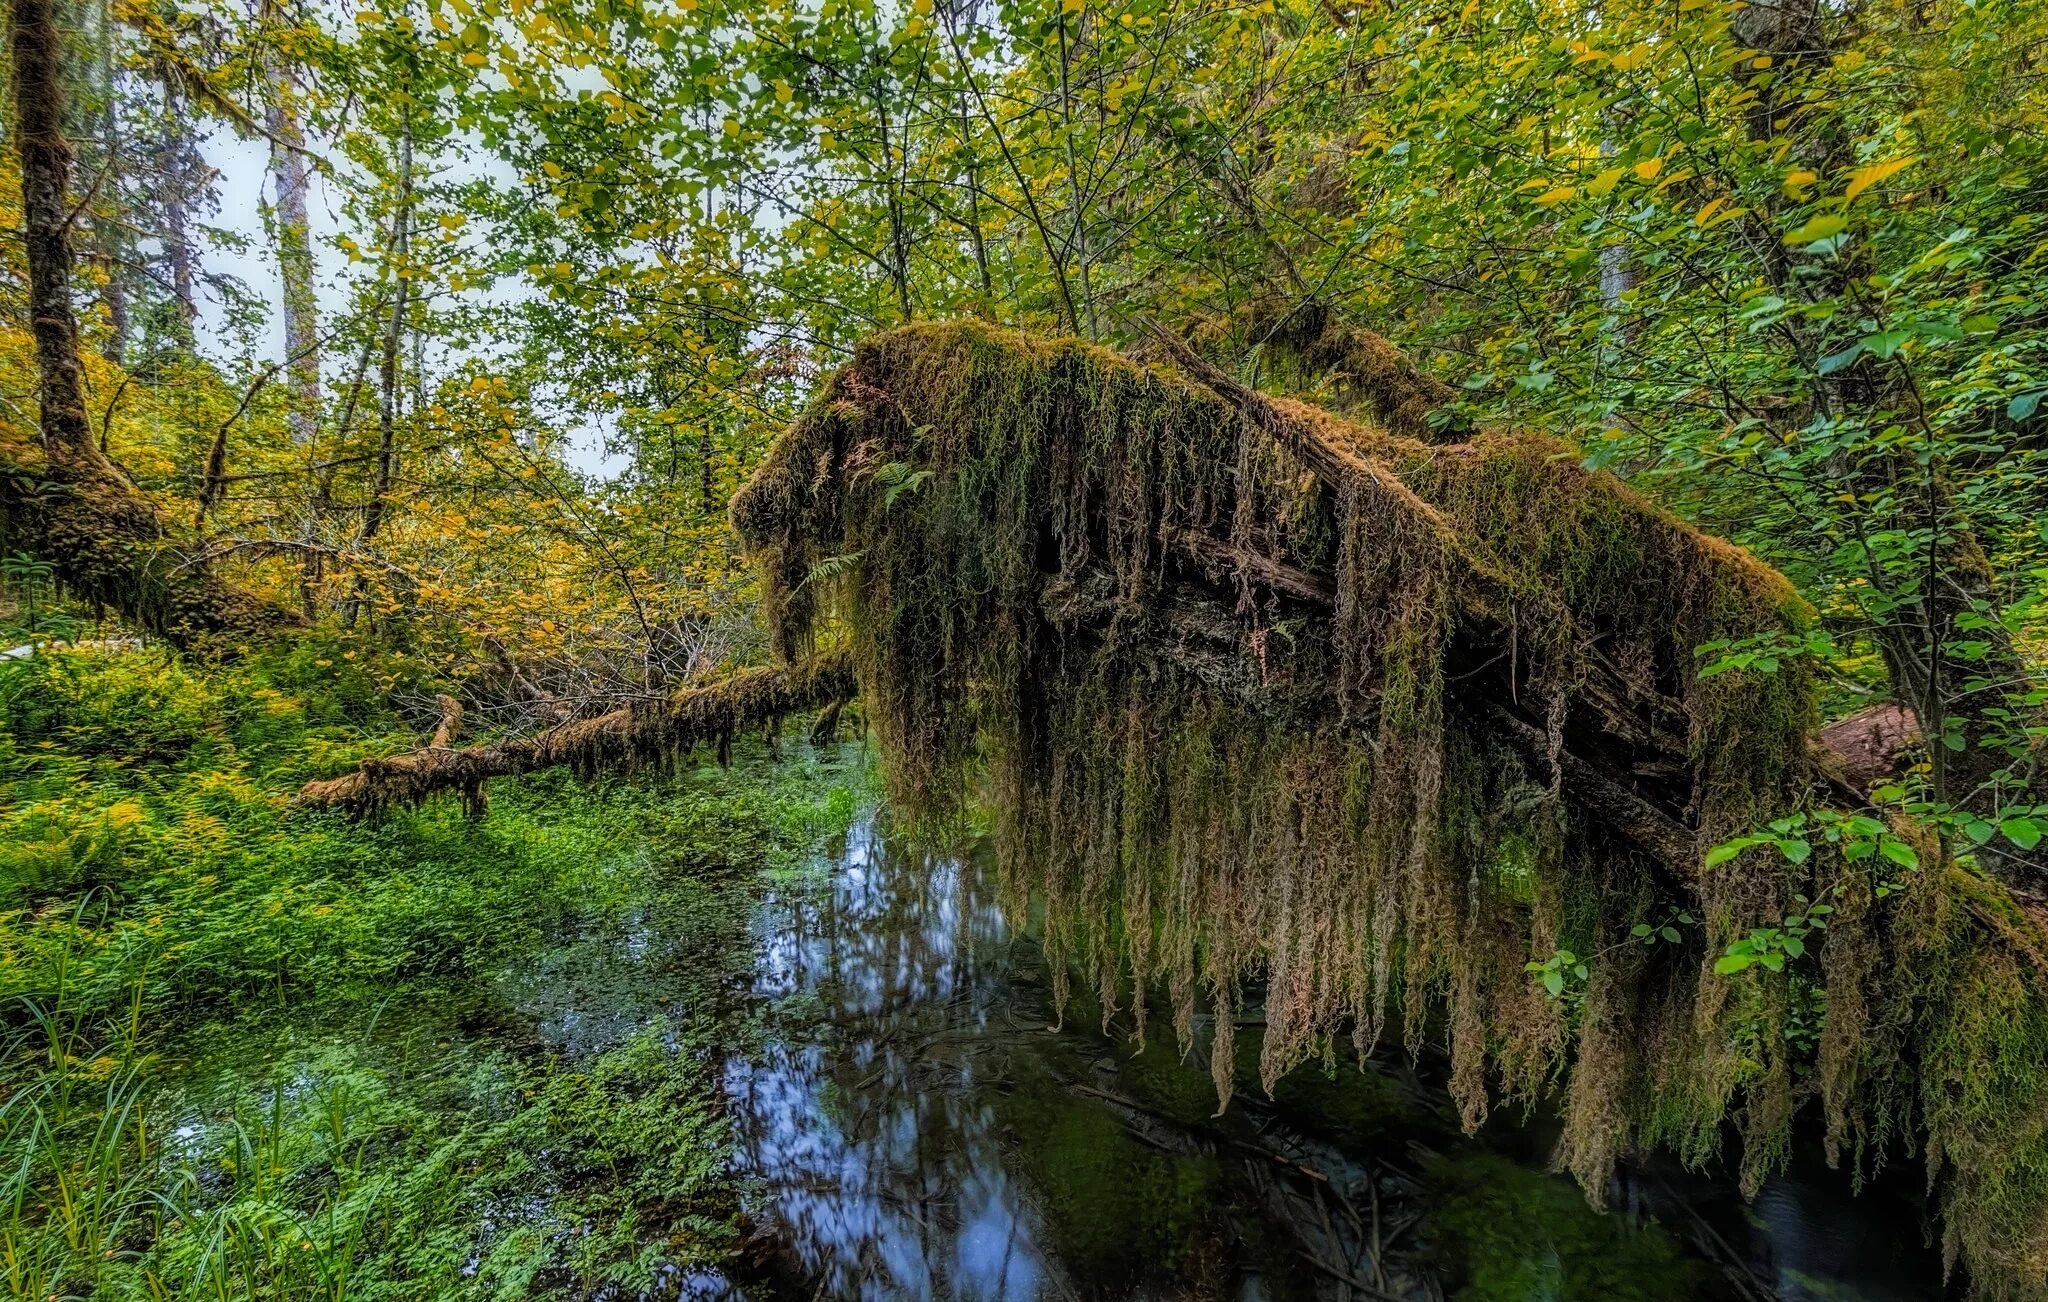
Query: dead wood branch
[623, 739]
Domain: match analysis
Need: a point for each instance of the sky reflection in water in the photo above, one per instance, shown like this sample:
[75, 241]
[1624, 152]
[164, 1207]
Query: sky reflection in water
[893, 1186]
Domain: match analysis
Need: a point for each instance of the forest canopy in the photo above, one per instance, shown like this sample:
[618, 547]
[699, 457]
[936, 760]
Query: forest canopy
[1569, 484]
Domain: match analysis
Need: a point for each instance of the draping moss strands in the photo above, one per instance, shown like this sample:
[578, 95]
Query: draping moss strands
[1263, 695]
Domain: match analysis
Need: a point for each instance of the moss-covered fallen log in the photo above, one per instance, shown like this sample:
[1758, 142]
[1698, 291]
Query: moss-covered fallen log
[1262, 694]
[622, 739]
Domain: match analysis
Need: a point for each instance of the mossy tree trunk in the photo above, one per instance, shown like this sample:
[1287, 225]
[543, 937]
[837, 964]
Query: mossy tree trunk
[76, 509]
[1258, 694]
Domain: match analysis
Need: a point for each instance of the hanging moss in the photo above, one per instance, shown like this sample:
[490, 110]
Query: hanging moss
[1259, 693]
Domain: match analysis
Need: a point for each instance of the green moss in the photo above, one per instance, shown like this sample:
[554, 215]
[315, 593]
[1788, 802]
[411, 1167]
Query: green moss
[1365, 1110]
[1503, 1233]
[1160, 1076]
[1117, 1209]
[1299, 789]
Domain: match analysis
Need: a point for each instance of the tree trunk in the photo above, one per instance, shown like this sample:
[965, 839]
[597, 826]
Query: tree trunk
[174, 163]
[294, 246]
[76, 510]
[625, 738]
[394, 336]
[1076, 208]
[108, 237]
[1920, 635]
[388, 366]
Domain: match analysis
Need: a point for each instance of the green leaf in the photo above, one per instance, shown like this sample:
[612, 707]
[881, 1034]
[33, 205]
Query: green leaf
[1822, 227]
[2023, 406]
[1899, 853]
[1553, 981]
[1836, 361]
[1729, 964]
[2022, 832]
[1725, 851]
[1796, 850]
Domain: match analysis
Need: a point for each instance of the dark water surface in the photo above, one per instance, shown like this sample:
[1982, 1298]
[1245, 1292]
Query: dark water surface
[915, 1128]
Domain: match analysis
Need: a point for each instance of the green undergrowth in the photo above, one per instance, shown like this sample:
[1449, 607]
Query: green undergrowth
[256, 1053]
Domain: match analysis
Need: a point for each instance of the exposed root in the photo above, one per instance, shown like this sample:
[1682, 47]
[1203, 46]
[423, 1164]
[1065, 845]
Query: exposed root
[109, 547]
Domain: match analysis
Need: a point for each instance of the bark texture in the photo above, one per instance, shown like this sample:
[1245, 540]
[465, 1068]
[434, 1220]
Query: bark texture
[72, 506]
[630, 737]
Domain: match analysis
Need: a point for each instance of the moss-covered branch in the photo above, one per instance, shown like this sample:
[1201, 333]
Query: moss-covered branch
[620, 739]
[1265, 695]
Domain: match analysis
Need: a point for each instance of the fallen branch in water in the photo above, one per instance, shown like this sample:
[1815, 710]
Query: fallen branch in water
[622, 739]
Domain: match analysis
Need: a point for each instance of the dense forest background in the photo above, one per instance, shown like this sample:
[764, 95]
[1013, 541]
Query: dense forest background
[1775, 264]
[554, 275]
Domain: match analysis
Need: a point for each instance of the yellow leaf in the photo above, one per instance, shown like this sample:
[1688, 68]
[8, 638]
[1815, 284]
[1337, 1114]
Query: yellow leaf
[1864, 177]
[1633, 59]
[452, 221]
[1603, 184]
[1701, 217]
[1800, 179]
[1647, 169]
[551, 168]
[1725, 215]
[1558, 195]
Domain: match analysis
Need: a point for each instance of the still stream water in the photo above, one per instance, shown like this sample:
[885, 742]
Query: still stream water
[914, 1127]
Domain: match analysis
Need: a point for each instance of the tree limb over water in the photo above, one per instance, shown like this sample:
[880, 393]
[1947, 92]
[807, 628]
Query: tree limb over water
[630, 737]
